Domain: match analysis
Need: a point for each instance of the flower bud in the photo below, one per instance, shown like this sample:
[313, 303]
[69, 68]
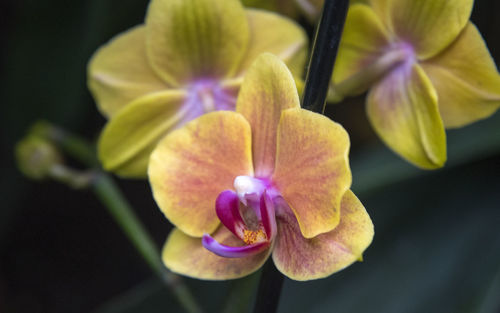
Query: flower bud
[36, 157]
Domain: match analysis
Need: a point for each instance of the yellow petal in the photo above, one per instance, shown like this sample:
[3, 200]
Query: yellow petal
[312, 169]
[428, 25]
[363, 39]
[192, 39]
[284, 7]
[193, 164]
[466, 80]
[403, 110]
[130, 136]
[270, 32]
[304, 259]
[185, 255]
[119, 72]
[268, 89]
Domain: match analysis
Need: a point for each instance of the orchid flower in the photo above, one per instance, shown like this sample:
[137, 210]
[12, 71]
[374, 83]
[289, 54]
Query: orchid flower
[292, 8]
[188, 59]
[268, 178]
[426, 68]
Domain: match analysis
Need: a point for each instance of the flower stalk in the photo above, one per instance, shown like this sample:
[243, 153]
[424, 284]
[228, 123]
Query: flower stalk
[108, 193]
[111, 197]
[323, 55]
[268, 294]
[320, 69]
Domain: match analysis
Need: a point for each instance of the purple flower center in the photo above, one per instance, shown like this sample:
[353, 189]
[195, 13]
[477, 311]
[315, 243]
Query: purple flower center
[206, 95]
[407, 50]
[249, 213]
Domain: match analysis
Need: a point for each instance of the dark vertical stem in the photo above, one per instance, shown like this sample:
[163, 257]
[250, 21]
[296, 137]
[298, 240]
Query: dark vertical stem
[268, 294]
[324, 52]
[241, 295]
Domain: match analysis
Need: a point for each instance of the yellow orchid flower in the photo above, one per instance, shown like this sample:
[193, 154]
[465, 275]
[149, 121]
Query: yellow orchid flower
[186, 60]
[278, 177]
[426, 67]
[292, 8]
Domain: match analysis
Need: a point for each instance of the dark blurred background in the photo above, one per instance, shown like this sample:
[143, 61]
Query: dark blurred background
[437, 242]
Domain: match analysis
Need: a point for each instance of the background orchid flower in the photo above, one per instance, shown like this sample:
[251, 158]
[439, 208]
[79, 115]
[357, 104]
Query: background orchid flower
[276, 176]
[187, 59]
[426, 67]
[311, 9]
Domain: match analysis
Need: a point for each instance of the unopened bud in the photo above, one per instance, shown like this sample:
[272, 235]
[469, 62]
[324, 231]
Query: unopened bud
[36, 157]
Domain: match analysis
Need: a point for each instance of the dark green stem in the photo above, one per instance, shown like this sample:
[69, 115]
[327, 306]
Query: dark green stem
[268, 294]
[110, 195]
[76, 147]
[324, 52]
[106, 190]
[241, 293]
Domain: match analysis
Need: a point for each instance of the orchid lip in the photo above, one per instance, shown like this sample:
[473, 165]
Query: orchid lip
[228, 211]
[232, 252]
[257, 228]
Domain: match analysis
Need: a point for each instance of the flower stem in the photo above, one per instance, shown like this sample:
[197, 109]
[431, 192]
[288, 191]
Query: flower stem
[268, 294]
[111, 197]
[241, 292]
[106, 190]
[324, 52]
[73, 145]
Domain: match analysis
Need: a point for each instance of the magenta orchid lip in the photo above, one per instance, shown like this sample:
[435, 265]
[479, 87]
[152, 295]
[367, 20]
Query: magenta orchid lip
[257, 232]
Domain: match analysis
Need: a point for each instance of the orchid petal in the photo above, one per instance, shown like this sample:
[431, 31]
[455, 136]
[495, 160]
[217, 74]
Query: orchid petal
[312, 169]
[191, 165]
[300, 258]
[233, 252]
[270, 32]
[466, 79]
[428, 25]
[362, 42]
[403, 111]
[185, 255]
[119, 72]
[228, 212]
[131, 135]
[268, 89]
[188, 39]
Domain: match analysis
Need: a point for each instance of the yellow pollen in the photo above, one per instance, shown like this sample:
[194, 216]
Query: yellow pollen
[253, 236]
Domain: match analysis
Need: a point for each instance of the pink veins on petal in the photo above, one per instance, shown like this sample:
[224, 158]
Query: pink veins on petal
[256, 227]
